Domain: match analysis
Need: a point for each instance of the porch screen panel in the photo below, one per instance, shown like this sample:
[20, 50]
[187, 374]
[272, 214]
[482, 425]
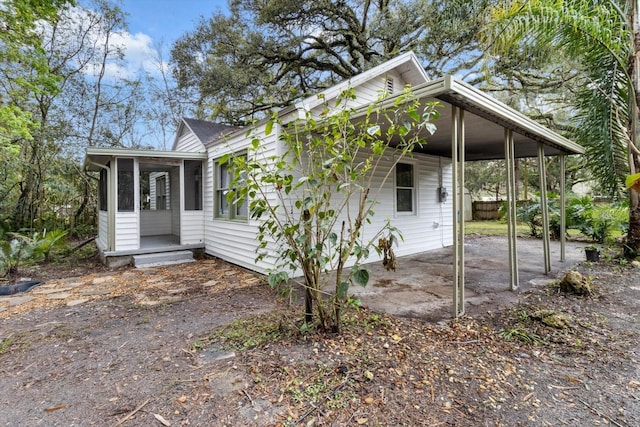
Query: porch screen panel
[193, 185]
[125, 185]
[102, 189]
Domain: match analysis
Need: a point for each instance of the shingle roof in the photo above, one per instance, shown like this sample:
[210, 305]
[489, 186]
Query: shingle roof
[206, 131]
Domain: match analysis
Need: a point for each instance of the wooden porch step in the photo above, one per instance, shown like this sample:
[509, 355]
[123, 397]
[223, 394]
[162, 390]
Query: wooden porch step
[162, 258]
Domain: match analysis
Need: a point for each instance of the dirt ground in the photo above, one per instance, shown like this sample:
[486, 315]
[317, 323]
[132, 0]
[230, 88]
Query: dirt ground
[208, 344]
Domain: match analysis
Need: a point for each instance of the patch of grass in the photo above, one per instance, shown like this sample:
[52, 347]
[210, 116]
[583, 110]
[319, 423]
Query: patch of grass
[255, 331]
[318, 383]
[5, 344]
[499, 228]
[521, 334]
[492, 228]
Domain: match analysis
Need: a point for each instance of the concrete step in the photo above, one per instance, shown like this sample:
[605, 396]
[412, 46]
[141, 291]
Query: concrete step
[162, 258]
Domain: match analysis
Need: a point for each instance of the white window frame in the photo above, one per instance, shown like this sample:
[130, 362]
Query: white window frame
[413, 188]
[234, 212]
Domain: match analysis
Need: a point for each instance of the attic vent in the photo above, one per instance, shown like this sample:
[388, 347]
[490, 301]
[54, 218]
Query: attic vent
[389, 85]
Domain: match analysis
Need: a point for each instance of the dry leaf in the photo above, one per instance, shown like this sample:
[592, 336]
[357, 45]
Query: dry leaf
[362, 420]
[368, 375]
[55, 408]
[182, 399]
[634, 384]
[395, 337]
[368, 400]
[162, 420]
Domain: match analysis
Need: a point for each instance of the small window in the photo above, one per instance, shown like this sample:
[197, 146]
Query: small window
[224, 209]
[125, 185]
[405, 191]
[161, 193]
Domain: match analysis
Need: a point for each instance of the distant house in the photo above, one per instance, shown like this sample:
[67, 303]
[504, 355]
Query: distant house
[156, 201]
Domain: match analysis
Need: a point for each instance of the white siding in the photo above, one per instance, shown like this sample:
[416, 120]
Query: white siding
[370, 91]
[192, 227]
[153, 176]
[127, 232]
[233, 241]
[429, 227]
[188, 141]
[155, 223]
[103, 229]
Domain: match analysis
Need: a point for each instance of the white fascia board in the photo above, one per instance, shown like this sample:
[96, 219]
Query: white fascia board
[93, 153]
[131, 152]
[178, 132]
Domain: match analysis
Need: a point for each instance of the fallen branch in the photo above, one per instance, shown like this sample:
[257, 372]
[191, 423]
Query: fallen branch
[316, 407]
[83, 243]
[611, 420]
[131, 414]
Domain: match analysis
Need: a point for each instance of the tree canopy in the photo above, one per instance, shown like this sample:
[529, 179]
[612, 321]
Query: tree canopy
[262, 54]
[599, 36]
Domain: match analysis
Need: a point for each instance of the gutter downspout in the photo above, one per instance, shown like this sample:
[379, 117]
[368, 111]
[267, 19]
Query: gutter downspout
[111, 218]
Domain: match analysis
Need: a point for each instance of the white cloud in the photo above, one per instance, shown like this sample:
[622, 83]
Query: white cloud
[130, 54]
[139, 55]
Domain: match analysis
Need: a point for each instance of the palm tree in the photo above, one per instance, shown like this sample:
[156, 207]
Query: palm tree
[599, 36]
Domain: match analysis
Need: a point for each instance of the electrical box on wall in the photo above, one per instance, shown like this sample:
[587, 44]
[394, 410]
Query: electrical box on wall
[442, 194]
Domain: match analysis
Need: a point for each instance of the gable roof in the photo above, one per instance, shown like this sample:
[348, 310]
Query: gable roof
[205, 131]
[407, 65]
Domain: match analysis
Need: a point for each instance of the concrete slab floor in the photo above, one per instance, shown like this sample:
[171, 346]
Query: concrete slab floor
[422, 286]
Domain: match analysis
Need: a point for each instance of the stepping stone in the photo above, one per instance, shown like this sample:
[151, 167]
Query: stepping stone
[50, 291]
[75, 302]
[92, 292]
[213, 354]
[13, 301]
[102, 280]
[74, 285]
[58, 296]
[210, 283]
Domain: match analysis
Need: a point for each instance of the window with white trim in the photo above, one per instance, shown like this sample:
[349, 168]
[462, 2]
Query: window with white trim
[405, 188]
[224, 209]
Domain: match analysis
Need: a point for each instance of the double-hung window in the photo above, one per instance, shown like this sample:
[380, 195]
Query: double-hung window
[225, 209]
[405, 188]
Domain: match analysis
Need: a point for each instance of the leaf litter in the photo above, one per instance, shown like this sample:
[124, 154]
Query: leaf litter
[116, 361]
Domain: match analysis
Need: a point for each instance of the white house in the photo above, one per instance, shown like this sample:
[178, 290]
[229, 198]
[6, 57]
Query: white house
[137, 217]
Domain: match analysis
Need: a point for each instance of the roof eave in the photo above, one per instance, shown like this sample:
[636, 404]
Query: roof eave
[93, 153]
[456, 92]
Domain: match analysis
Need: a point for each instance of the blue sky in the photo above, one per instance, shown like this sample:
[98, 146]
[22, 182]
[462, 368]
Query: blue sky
[153, 24]
[166, 20]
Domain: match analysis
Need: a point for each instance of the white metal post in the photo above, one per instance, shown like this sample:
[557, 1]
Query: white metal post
[544, 208]
[457, 159]
[514, 279]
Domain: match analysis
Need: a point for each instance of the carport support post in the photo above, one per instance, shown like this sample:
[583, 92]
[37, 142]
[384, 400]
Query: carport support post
[457, 160]
[544, 208]
[509, 155]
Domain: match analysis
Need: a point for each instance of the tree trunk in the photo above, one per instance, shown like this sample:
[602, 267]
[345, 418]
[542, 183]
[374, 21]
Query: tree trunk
[632, 247]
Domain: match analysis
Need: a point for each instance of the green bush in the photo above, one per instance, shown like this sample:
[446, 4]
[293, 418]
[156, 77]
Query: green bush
[22, 248]
[531, 214]
[598, 222]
